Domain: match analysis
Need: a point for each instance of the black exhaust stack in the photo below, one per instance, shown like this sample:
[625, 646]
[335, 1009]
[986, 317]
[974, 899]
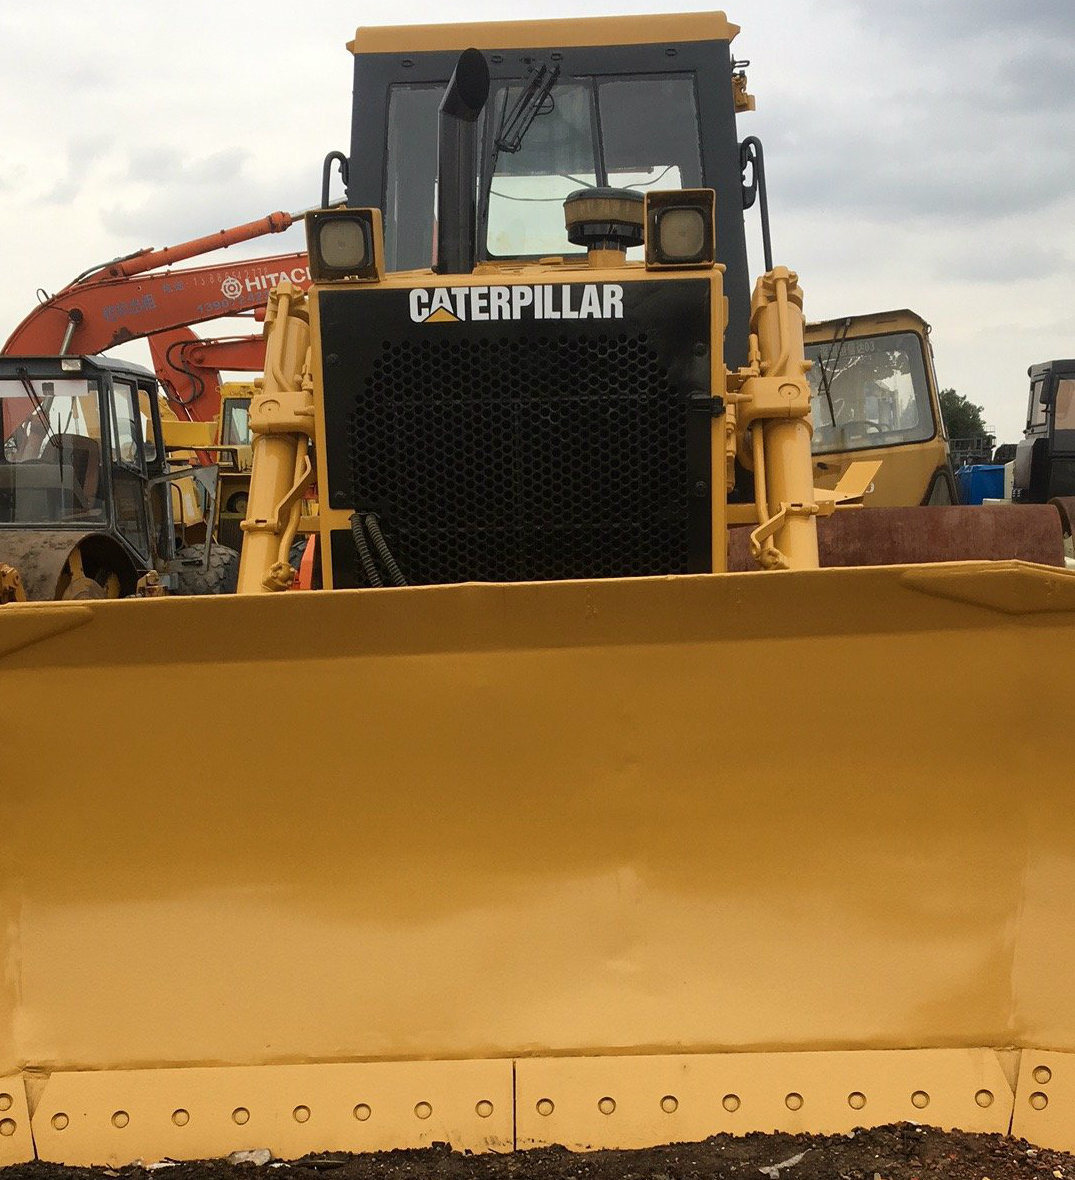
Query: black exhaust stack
[457, 164]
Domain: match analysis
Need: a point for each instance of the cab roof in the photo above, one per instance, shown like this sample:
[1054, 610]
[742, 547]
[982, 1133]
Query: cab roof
[545, 34]
[86, 364]
[900, 319]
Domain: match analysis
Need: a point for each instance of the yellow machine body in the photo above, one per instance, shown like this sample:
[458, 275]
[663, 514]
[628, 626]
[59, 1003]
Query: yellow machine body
[232, 438]
[595, 861]
[225, 443]
[184, 442]
[723, 839]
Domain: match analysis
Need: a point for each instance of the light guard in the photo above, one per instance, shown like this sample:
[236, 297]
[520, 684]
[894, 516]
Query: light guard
[680, 228]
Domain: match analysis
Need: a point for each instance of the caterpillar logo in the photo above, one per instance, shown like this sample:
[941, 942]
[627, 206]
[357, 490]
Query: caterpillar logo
[452, 305]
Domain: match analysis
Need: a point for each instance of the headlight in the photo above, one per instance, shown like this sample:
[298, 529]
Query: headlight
[345, 244]
[680, 234]
[342, 244]
[679, 228]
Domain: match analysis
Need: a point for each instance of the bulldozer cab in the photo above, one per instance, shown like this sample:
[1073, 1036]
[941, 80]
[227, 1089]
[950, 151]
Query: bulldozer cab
[874, 395]
[553, 351]
[1045, 456]
[642, 103]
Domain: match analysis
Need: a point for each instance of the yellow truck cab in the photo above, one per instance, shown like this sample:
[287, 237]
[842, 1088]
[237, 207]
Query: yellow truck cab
[874, 396]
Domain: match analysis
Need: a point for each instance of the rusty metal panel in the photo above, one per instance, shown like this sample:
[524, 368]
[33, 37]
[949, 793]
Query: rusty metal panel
[956, 533]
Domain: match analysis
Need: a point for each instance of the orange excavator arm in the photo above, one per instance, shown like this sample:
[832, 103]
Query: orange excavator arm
[129, 299]
[189, 366]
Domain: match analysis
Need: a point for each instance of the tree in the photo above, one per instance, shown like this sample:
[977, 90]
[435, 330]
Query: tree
[962, 417]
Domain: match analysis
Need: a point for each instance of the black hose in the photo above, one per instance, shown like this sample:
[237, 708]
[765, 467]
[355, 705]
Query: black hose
[373, 527]
[369, 566]
[197, 385]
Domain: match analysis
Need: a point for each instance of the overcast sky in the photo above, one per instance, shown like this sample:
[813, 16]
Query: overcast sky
[920, 153]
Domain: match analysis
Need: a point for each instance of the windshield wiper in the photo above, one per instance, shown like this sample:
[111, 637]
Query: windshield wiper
[837, 344]
[516, 122]
[23, 375]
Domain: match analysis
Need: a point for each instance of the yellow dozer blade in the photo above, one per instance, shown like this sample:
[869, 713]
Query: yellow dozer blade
[593, 863]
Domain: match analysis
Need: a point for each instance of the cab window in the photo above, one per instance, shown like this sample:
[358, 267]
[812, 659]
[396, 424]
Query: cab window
[145, 409]
[50, 471]
[1064, 418]
[410, 195]
[634, 133]
[125, 414]
[236, 425]
[869, 391]
[557, 156]
[1036, 415]
[639, 133]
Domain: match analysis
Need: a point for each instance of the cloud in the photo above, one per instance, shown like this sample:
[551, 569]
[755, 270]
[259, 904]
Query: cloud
[910, 174]
[984, 259]
[81, 157]
[181, 197]
[960, 22]
[939, 113]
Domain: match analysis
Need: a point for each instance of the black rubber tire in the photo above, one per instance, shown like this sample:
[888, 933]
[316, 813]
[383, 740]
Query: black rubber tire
[221, 577]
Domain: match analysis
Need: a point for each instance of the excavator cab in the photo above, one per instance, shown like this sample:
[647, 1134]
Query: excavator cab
[87, 491]
[82, 512]
[52, 456]
[874, 396]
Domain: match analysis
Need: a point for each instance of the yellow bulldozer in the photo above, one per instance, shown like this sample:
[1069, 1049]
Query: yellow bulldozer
[621, 787]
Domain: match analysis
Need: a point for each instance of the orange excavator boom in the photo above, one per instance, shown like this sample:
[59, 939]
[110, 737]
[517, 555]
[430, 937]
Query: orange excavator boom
[129, 299]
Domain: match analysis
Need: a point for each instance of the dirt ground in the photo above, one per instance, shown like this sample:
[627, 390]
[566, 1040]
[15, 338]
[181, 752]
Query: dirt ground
[901, 1152]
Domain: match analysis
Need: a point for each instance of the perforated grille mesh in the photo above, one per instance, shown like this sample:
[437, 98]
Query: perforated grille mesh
[523, 459]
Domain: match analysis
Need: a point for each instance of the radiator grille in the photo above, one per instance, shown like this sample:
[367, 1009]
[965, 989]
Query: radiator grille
[517, 459]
